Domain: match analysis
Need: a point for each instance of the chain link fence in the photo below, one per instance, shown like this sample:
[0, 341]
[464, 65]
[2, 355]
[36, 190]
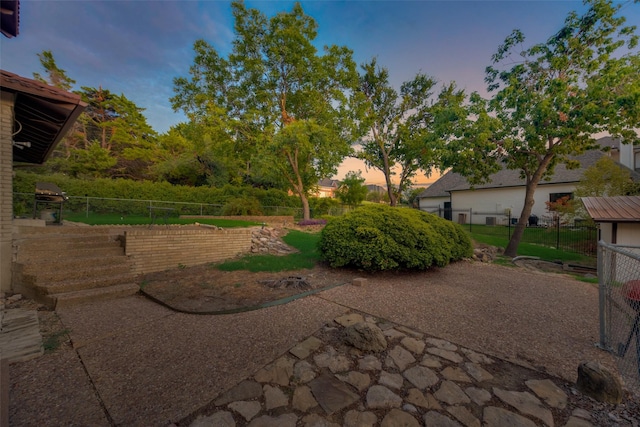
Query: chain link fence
[619, 288]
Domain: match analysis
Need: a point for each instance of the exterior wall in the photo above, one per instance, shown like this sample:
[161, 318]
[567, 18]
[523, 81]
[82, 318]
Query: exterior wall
[6, 189]
[494, 202]
[628, 234]
[158, 250]
[432, 204]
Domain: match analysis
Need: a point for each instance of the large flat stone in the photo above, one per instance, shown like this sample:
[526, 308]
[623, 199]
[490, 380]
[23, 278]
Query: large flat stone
[332, 394]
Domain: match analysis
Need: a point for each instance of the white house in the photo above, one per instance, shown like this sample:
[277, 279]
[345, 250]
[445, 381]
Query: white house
[503, 195]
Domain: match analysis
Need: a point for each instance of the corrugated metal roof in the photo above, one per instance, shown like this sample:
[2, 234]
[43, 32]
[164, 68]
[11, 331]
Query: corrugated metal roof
[613, 209]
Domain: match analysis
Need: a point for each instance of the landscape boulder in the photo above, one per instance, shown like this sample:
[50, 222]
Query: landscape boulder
[595, 381]
[365, 336]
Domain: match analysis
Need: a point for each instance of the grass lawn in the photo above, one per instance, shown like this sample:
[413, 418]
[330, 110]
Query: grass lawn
[117, 219]
[531, 249]
[307, 257]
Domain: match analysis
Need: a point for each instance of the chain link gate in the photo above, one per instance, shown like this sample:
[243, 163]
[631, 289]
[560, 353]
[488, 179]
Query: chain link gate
[619, 301]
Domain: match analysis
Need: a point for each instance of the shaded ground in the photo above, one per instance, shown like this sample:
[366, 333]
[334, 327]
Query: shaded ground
[205, 289]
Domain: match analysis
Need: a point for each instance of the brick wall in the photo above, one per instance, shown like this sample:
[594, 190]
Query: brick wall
[158, 250]
[6, 189]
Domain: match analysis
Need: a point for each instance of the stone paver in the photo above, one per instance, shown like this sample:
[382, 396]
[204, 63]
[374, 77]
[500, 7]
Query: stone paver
[417, 381]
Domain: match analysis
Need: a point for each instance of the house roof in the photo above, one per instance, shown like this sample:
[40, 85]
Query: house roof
[613, 209]
[511, 178]
[42, 116]
[334, 183]
[9, 17]
[441, 187]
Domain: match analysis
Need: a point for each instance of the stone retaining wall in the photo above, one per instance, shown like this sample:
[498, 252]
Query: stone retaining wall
[158, 250]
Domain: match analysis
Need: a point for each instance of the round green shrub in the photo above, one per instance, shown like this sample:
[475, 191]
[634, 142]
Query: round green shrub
[379, 237]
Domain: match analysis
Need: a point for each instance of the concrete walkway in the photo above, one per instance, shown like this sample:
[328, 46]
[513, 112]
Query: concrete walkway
[135, 363]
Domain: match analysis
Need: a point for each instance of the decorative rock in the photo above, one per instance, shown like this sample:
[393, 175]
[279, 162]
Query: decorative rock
[393, 334]
[476, 357]
[315, 420]
[303, 372]
[446, 354]
[549, 392]
[349, 319]
[332, 394]
[421, 377]
[455, 374]
[359, 281]
[244, 391]
[278, 372]
[394, 381]
[581, 413]
[365, 336]
[409, 331]
[451, 394]
[526, 403]
[431, 362]
[285, 420]
[360, 419]
[498, 417]
[415, 397]
[442, 344]
[436, 419]
[479, 396]
[303, 399]
[369, 363]
[597, 382]
[398, 418]
[463, 415]
[401, 357]
[219, 419]
[407, 407]
[274, 397]
[381, 397]
[413, 345]
[332, 360]
[478, 372]
[248, 410]
[357, 379]
[306, 347]
[577, 422]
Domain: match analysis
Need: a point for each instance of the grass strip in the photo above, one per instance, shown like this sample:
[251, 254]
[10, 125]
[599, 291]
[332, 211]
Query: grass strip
[307, 257]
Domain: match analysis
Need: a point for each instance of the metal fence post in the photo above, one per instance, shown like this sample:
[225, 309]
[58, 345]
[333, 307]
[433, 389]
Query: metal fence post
[558, 233]
[602, 298]
[470, 219]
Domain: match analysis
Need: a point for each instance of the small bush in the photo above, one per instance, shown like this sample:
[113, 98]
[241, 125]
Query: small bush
[379, 237]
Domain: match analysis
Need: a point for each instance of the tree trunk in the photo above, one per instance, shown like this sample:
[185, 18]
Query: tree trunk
[532, 184]
[306, 211]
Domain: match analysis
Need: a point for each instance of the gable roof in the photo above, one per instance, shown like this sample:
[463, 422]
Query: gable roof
[441, 187]
[613, 209]
[506, 178]
[326, 182]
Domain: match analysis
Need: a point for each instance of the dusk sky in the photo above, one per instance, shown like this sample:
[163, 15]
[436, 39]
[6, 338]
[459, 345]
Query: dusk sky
[138, 47]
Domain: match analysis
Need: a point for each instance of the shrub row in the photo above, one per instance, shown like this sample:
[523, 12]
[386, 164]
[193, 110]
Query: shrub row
[231, 200]
[379, 237]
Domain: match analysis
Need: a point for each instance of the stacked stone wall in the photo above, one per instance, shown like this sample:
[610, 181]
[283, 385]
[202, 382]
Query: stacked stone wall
[157, 250]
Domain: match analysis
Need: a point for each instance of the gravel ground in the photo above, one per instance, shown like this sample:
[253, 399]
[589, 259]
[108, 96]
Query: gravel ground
[133, 362]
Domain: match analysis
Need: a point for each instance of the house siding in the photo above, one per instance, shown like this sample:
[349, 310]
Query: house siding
[6, 189]
[494, 202]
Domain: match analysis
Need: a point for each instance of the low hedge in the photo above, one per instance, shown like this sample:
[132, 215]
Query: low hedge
[379, 237]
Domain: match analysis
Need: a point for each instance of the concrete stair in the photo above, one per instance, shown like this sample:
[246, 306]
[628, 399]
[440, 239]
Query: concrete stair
[62, 267]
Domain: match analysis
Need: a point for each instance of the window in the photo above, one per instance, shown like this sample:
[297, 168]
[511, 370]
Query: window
[554, 197]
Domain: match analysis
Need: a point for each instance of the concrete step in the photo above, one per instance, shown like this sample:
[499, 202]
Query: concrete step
[55, 270]
[70, 299]
[84, 283]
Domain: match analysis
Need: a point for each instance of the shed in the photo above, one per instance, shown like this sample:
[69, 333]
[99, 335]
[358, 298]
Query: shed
[618, 218]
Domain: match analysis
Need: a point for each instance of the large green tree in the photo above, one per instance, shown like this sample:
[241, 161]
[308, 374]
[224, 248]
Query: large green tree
[275, 78]
[352, 190]
[394, 125]
[551, 98]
